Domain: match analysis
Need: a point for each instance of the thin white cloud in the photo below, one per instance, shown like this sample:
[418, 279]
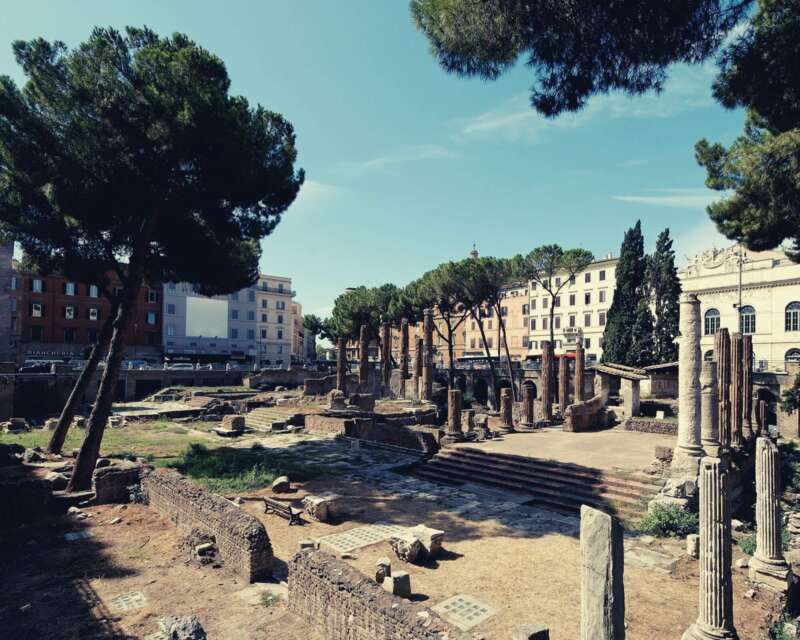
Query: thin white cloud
[403, 155]
[696, 239]
[314, 195]
[688, 88]
[675, 198]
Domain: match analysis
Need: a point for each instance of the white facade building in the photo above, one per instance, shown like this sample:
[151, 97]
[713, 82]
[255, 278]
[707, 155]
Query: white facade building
[770, 301]
[274, 315]
[581, 309]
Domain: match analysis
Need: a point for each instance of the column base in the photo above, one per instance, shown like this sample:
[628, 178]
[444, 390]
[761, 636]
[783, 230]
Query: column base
[699, 631]
[449, 440]
[526, 427]
[686, 461]
[504, 428]
[773, 575]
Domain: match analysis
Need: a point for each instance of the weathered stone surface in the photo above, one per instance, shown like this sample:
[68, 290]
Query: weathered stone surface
[233, 422]
[563, 385]
[547, 380]
[506, 410]
[341, 602]
[398, 583]
[57, 480]
[363, 358]
[454, 415]
[111, 483]
[693, 545]
[407, 548]
[768, 566]
[50, 424]
[403, 356]
[580, 367]
[737, 400]
[417, 378]
[747, 387]
[321, 508]
[715, 616]
[531, 632]
[337, 400]
[341, 366]
[431, 539]
[281, 484]
[709, 409]
[241, 538]
[528, 397]
[722, 355]
[183, 628]
[386, 358]
[688, 452]
[427, 355]
[602, 590]
[383, 569]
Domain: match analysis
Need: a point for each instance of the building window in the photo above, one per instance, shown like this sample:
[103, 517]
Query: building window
[37, 333]
[533, 303]
[544, 303]
[280, 304]
[489, 342]
[558, 282]
[94, 292]
[170, 309]
[711, 322]
[171, 287]
[793, 316]
[587, 277]
[235, 296]
[544, 323]
[526, 309]
[92, 335]
[263, 334]
[747, 319]
[37, 286]
[94, 313]
[557, 301]
[69, 335]
[572, 321]
[587, 297]
[234, 314]
[234, 333]
[13, 304]
[587, 342]
[151, 317]
[13, 283]
[525, 341]
[37, 310]
[504, 311]
[170, 330]
[69, 288]
[571, 299]
[602, 275]
[601, 318]
[587, 319]
[251, 315]
[572, 279]
[557, 322]
[280, 319]
[602, 295]
[264, 304]
[251, 295]
[263, 317]
[792, 355]
[708, 356]
[533, 324]
[280, 334]
[251, 334]
[280, 287]
[152, 295]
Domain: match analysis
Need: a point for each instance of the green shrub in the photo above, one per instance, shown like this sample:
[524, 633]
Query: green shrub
[747, 544]
[668, 521]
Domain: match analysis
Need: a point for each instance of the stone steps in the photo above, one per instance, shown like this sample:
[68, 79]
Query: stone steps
[261, 419]
[554, 485]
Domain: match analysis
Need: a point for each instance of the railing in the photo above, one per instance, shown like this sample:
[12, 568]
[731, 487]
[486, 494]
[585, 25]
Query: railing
[288, 292]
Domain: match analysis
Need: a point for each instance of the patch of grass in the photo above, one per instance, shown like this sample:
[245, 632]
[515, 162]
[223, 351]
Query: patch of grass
[669, 521]
[747, 544]
[777, 630]
[231, 470]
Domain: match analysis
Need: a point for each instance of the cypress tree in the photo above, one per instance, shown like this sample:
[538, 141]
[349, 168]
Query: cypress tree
[618, 338]
[662, 276]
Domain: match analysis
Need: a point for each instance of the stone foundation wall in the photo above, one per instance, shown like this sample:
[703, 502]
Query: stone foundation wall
[651, 425]
[587, 415]
[241, 539]
[323, 386]
[111, 483]
[316, 423]
[416, 437]
[346, 605]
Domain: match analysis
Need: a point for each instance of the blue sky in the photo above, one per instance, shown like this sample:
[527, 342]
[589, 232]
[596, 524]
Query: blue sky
[407, 166]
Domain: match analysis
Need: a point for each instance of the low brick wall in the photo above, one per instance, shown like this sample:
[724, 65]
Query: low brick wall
[586, 416]
[346, 605]
[111, 483]
[317, 423]
[323, 386]
[416, 437]
[651, 425]
[241, 539]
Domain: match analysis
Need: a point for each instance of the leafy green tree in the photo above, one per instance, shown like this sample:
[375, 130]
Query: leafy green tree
[128, 155]
[575, 50]
[625, 337]
[642, 351]
[790, 398]
[760, 171]
[665, 288]
[352, 309]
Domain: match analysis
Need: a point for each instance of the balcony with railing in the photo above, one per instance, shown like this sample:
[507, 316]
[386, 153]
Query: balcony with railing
[279, 290]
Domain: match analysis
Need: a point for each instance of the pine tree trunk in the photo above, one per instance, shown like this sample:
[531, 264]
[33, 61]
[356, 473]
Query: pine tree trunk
[68, 412]
[81, 479]
[493, 394]
[504, 338]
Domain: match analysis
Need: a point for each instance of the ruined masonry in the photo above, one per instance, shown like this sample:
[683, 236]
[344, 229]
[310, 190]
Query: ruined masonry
[427, 356]
[715, 616]
[768, 566]
[506, 410]
[722, 354]
[563, 385]
[363, 358]
[547, 380]
[403, 356]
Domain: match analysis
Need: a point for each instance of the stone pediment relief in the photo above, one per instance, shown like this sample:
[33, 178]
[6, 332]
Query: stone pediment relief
[716, 260]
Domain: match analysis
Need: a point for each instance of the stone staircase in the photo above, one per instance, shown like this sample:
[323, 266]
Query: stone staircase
[263, 418]
[555, 485]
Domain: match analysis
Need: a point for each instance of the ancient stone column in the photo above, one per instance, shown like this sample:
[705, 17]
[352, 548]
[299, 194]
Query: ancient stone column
[768, 566]
[386, 358]
[563, 384]
[737, 440]
[602, 565]
[747, 387]
[528, 418]
[688, 452]
[453, 433]
[722, 354]
[403, 356]
[763, 427]
[363, 359]
[506, 409]
[417, 367]
[547, 373]
[715, 615]
[427, 356]
[709, 409]
[341, 366]
[580, 368]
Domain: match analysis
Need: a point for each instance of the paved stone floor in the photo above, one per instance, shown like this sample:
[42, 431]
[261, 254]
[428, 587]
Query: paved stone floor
[613, 449]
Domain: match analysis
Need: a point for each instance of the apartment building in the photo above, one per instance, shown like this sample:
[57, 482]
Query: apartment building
[769, 285]
[580, 310]
[274, 320]
[53, 318]
[304, 344]
[515, 313]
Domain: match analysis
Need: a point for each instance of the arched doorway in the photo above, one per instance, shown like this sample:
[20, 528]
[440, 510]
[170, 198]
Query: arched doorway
[769, 397]
[480, 391]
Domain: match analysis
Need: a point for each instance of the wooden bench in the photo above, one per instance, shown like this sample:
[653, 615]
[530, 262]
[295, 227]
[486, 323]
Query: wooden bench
[286, 511]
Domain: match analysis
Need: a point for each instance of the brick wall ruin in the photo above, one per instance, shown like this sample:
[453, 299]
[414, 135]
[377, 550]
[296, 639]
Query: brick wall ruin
[587, 415]
[323, 386]
[416, 437]
[241, 539]
[346, 605]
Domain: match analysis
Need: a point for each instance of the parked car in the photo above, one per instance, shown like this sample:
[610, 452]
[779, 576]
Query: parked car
[181, 366]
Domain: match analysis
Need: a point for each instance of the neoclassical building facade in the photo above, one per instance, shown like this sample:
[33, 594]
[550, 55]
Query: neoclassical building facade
[768, 283]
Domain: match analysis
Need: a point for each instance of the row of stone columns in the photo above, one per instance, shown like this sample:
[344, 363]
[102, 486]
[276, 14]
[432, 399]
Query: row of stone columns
[734, 357]
[427, 356]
